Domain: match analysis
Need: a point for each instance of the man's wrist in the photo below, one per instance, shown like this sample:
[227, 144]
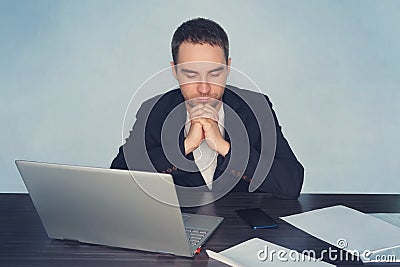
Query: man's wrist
[188, 148]
[224, 148]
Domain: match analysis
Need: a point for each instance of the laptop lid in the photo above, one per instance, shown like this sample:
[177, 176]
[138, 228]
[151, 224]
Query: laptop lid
[107, 207]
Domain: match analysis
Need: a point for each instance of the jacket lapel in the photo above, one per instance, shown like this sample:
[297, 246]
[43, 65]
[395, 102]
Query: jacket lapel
[232, 108]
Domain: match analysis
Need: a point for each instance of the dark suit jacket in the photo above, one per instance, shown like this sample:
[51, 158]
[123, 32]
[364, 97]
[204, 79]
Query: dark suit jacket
[150, 147]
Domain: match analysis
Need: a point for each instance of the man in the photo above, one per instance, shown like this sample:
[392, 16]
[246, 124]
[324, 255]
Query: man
[196, 149]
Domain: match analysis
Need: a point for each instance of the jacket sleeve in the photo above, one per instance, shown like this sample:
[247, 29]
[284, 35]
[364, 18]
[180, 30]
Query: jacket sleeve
[128, 157]
[286, 175]
[285, 178]
[143, 150]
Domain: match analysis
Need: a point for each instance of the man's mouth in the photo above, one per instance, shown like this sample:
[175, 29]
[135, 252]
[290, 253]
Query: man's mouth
[203, 99]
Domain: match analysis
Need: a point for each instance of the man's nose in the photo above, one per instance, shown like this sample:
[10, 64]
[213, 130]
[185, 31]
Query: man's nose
[203, 87]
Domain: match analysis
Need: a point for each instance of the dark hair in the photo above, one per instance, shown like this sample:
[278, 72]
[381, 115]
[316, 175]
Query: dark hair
[200, 31]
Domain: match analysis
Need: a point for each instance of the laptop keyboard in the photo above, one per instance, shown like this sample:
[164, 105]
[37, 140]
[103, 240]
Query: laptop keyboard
[195, 235]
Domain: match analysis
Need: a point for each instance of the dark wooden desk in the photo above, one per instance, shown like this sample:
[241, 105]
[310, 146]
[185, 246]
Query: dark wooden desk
[23, 240]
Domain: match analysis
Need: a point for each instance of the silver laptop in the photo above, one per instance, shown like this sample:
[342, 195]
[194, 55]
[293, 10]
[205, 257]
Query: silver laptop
[108, 207]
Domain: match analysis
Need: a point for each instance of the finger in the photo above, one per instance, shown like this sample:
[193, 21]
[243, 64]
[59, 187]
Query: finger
[196, 128]
[202, 114]
[195, 111]
[197, 125]
[206, 112]
[206, 115]
[196, 114]
[207, 123]
[196, 107]
[209, 109]
[210, 106]
[201, 121]
[212, 121]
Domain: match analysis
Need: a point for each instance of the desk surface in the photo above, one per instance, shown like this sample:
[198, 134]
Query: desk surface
[23, 240]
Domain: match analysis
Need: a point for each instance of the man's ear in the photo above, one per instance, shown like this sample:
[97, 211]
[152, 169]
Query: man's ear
[229, 65]
[173, 67]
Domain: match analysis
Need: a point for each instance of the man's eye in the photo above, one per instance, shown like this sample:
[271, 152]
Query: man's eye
[191, 76]
[215, 74]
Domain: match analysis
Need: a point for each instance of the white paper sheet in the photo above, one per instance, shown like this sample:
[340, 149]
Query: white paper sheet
[247, 254]
[347, 228]
[389, 255]
[393, 218]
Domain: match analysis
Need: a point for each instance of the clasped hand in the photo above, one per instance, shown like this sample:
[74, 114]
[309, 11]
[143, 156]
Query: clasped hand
[204, 125]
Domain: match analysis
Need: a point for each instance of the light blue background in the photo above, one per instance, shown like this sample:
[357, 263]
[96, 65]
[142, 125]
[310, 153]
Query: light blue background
[331, 69]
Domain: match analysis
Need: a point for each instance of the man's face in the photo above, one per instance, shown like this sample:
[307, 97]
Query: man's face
[202, 72]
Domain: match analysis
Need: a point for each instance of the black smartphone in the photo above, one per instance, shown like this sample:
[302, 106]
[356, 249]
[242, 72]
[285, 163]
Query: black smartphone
[257, 218]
